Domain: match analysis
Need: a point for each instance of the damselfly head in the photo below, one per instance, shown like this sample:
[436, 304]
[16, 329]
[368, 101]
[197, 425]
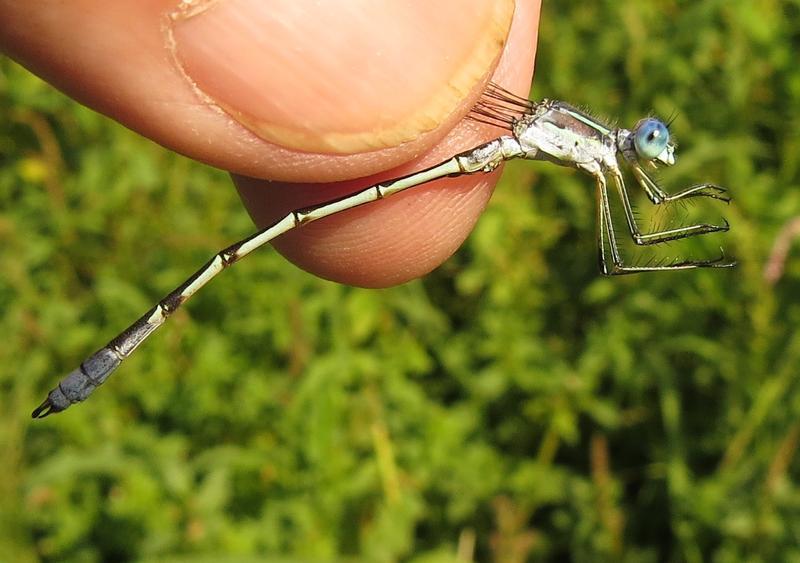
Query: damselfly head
[651, 142]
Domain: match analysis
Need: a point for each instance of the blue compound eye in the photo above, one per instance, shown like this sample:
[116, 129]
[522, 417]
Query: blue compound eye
[650, 138]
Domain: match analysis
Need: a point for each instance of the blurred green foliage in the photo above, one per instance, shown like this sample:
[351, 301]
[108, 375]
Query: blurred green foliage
[512, 406]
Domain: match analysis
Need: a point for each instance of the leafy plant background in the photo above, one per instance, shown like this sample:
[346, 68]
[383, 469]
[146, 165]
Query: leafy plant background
[511, 406]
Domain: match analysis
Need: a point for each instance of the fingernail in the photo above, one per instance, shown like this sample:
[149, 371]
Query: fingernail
[338, 77]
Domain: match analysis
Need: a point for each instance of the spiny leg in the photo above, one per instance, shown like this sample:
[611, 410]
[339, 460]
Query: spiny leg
[605, 232]
[657, 237]
[616, 267]
[659, 196]
[93, 371]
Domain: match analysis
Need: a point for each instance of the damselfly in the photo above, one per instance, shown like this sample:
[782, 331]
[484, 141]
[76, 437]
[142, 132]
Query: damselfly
[547, 130]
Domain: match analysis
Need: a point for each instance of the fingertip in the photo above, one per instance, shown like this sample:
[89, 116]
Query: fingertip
[114, 57]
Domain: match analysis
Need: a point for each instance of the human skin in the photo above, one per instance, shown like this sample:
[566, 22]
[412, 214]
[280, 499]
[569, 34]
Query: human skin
[302, 102]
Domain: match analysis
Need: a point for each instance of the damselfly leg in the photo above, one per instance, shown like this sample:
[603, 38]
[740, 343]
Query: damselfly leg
[613, 264]
[644, 239]
[659, 196]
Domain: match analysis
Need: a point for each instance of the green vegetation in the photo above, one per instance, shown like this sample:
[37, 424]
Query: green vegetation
[512, 399]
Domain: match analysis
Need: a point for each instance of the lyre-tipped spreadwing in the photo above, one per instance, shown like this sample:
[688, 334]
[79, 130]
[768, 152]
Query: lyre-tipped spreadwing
[547, 130]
